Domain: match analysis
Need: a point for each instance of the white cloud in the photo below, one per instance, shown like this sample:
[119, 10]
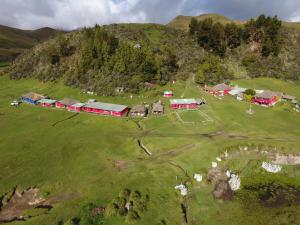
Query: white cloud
[70, 14]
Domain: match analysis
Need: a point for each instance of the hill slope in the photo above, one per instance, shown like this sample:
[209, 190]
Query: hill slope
[13, 41]
[182, 22]
[100, 59]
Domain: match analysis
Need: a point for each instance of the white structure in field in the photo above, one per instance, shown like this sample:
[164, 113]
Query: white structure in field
[214, 164]
[198, 177]
[271, 168]
[234, 182]
[183, 189]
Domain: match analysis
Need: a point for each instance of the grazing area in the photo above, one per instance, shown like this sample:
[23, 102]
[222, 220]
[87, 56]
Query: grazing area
[95, 168]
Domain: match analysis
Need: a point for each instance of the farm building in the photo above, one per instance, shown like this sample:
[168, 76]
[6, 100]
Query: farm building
[76, 107]
[186, 103]
[220, 89]
[240, 97]
[288, 98]
[47, 102]
[267, 98]
[65, 103]
[138, 110]
[32, 98]
[105, 109]
[237, 91]
[157, 108]
[168, 94]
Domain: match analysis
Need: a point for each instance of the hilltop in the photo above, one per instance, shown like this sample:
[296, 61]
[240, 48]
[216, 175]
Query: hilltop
[182, 22]
[14, 41]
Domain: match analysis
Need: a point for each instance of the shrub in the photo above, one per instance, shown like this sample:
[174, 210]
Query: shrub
[111, 210]
[132, 217]
[250, 92]
[125, 193]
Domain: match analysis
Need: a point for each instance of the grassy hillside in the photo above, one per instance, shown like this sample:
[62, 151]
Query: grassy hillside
[14, 41]
[92, 158]
[182, 22]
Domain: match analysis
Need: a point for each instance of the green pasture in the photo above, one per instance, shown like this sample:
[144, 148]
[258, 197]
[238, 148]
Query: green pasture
[92, 158]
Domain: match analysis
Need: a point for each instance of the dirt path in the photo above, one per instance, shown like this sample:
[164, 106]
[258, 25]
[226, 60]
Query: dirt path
[144, 148]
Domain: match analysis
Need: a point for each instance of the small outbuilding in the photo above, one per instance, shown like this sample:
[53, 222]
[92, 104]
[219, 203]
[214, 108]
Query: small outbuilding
[32, 98]
[65, 103]
[168, 94]
[288, 98]
[138, 110]
[76, 107]
[157, 108]
[186, 103]
[49, 103]
[240, 97]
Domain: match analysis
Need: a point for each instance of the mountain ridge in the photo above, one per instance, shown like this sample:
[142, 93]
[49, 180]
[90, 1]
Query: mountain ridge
[14, 41]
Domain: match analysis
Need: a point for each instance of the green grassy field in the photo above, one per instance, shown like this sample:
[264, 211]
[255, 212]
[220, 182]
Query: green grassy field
[78, 156]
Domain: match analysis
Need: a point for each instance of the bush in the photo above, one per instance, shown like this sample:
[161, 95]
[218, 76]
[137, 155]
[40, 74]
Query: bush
[125, 193]
[132, 217]
[250, 92]
[111, 210]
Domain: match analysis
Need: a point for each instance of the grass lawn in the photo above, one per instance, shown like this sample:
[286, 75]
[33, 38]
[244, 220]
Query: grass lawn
[78, 155]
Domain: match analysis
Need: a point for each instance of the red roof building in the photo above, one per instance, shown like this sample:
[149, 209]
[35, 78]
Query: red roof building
[220, 89]
[168, 94]
[49, 103]
[186, 103]
[105, 109]
[266, 98]
[65, 103]
[76, 107]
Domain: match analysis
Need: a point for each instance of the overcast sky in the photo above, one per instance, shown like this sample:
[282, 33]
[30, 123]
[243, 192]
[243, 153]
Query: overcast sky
[71, 14]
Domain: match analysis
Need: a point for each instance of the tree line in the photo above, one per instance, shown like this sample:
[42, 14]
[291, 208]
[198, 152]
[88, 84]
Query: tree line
[105, 62]
[218, 38]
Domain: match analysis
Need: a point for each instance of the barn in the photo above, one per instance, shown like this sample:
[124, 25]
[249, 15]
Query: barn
[49, 103]
[157, 108]
[266, 98]
[168, 94]
[65, 103]
[186, 103]
[138, 110]
[32, 98]
[219, 89]
[76, 107]
[105, 109]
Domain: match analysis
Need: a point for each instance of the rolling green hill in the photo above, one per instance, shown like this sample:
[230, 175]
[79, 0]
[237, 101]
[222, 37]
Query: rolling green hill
[182, 22]
[14, 41]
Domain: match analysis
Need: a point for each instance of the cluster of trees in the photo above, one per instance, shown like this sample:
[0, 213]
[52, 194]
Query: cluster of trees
[212, 71]
[105, 62]
[217, 38]
[266, 31]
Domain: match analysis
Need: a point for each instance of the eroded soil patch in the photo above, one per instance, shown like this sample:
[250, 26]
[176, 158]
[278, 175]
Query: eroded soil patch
[275, 194]
[15, 203]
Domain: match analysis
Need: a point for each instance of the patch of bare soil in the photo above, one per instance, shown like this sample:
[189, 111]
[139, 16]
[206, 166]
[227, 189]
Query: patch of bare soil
[275, 194]
[120, 164]
[222, 189]
[15, 203]
[290, 159]
[18, 202]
